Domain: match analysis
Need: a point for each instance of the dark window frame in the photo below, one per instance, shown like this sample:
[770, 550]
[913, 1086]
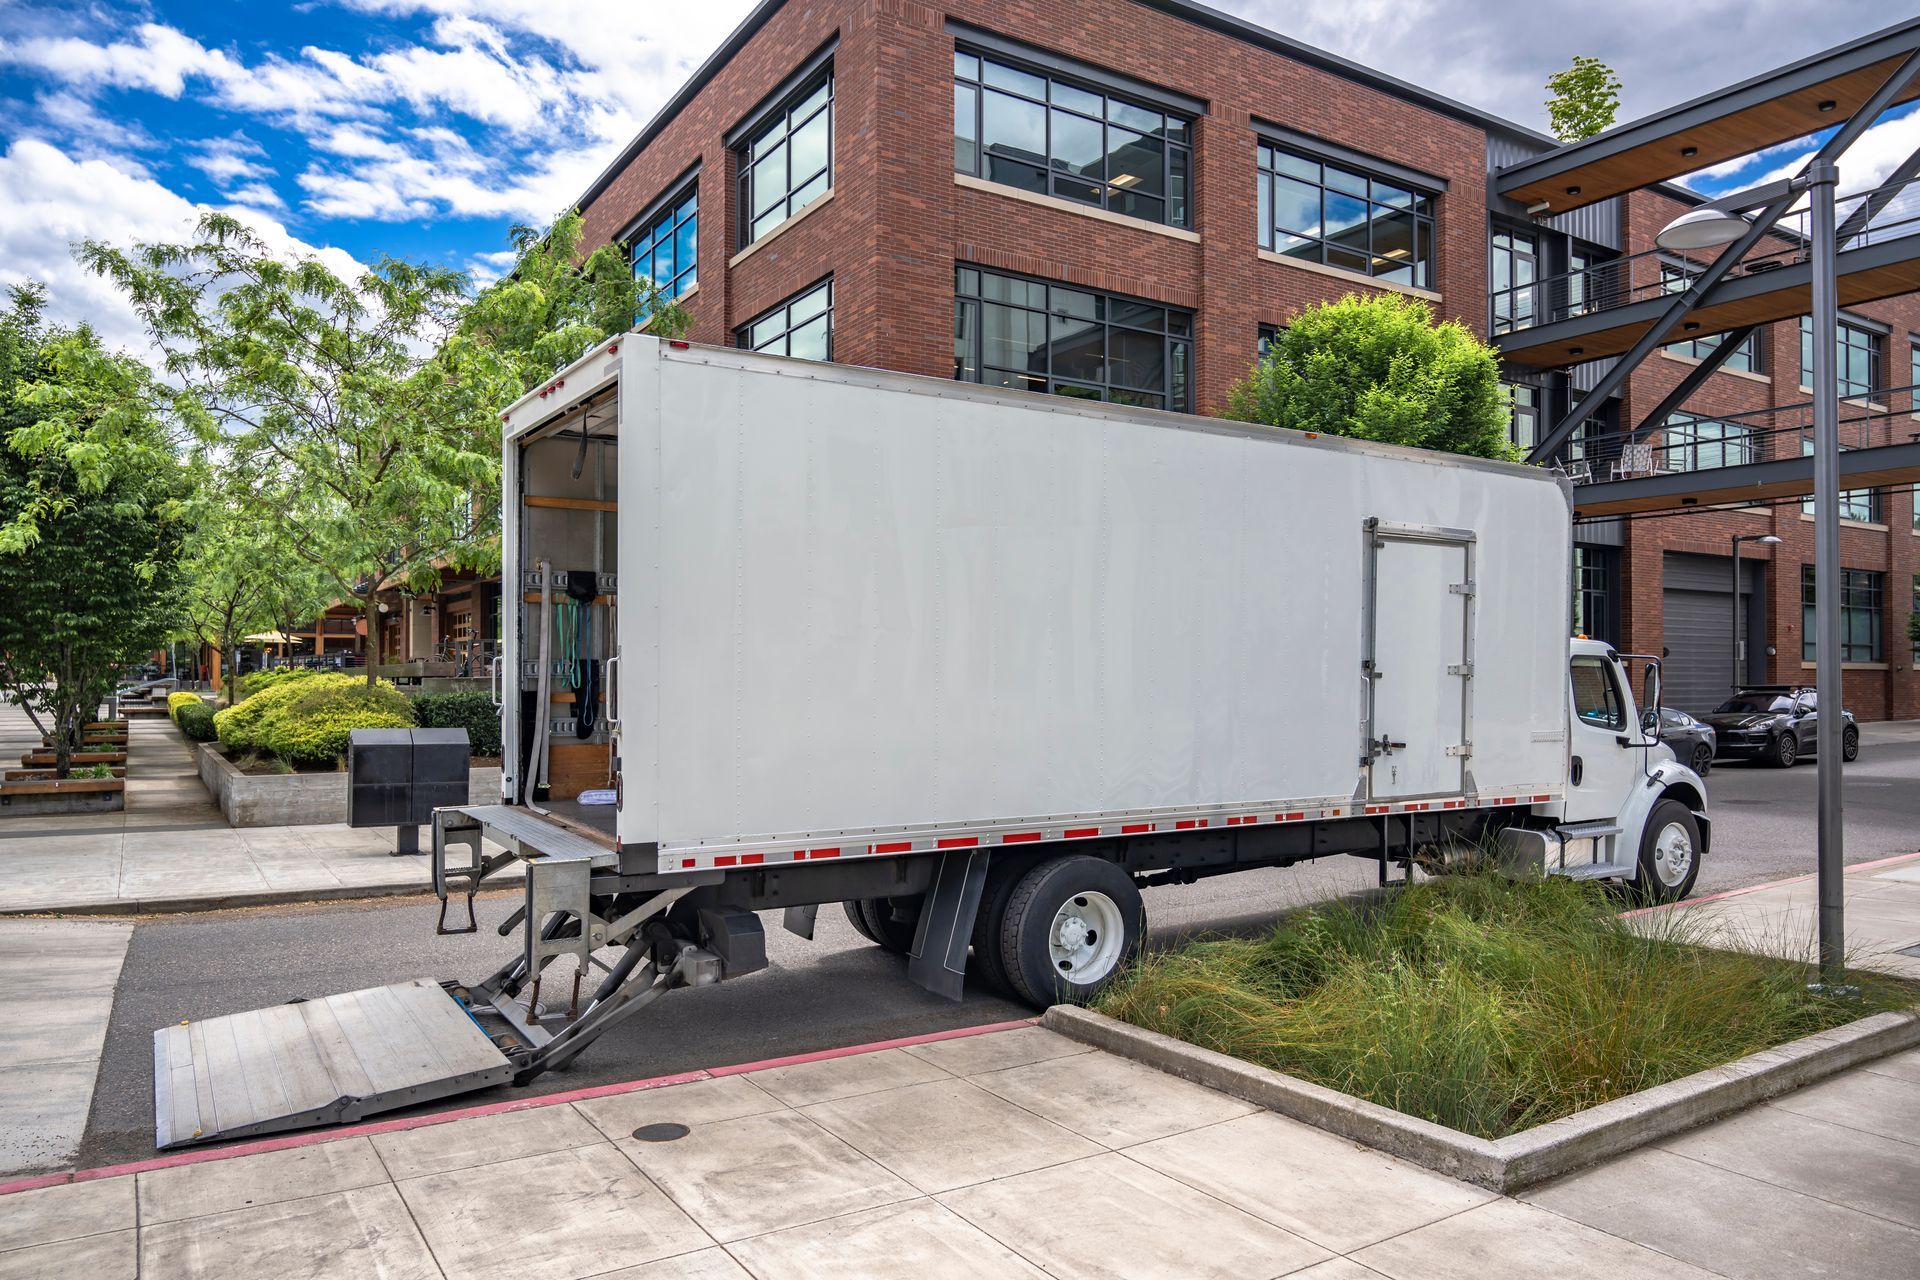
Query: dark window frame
[1176, 391]
[1511, 305]
[1699, 442]
[673, 213]
[1848, 338]
[742, 336]
[1278, 163]
[1862, 612]
[779, 123]
[1058, 98]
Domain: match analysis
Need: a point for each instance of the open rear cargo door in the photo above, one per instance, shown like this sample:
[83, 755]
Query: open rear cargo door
[321, 1061]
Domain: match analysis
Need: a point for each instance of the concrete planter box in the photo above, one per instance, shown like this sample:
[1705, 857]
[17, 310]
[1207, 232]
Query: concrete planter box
[41, 797]
[1534, 1155]
[298, 799]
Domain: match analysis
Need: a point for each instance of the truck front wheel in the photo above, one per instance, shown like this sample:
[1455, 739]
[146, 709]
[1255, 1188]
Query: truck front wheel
[1066, 929]
[1669, 852]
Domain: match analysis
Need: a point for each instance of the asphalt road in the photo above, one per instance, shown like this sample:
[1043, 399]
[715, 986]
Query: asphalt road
[835, 990]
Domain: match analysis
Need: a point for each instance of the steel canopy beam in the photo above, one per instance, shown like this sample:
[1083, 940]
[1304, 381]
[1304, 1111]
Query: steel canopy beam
[1878, 467]
[1703, 284]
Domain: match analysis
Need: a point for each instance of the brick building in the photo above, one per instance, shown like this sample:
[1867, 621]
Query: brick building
[1119, 199]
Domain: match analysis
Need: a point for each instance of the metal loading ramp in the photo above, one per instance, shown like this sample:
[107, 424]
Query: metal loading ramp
[320, 1061]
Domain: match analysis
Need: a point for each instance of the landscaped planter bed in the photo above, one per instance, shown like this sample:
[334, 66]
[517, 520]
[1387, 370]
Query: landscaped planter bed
[1495, 1032]
[297, 799]
[44, 796]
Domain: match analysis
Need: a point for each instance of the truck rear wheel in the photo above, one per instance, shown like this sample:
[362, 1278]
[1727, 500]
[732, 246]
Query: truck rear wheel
[1068, 925]
[891, 922]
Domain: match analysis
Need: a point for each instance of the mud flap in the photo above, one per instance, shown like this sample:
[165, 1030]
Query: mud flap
[938, 960]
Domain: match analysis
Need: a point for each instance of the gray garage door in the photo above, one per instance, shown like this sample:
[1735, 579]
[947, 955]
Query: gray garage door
[1698, 638]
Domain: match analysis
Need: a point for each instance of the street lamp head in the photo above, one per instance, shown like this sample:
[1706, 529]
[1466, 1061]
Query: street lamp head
[1768, 540]
[1702, 229]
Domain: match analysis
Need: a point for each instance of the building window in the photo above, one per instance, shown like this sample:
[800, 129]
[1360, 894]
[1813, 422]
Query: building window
[1593, 279]
[666, 252]
[1855, 504]
[1515, 263]
[1593, 592]
[1745, 357]
[1693, 443]
[1323, 212]
[1009, 331]
[1916, 611]
[1857, 360]
[1860, 608]
[789, 163]
[802, 326]
[1269, 334]
[1034, 131]
[1523, 408]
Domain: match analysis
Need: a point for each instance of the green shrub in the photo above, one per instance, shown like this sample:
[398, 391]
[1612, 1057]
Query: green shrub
[180, 699]
[260, 681]
[471, 711]
[238, 726]
[92, 771]
[311, 725]
[196, 721]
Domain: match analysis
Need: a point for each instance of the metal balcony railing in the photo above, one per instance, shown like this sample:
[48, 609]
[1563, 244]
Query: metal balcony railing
[1694, 442]
[1867, 217]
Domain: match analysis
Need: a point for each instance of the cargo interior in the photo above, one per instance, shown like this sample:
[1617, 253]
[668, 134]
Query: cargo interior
[568, 483]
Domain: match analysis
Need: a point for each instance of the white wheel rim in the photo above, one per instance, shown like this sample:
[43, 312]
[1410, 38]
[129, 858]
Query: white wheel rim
[1672, 854]
[1085, 938]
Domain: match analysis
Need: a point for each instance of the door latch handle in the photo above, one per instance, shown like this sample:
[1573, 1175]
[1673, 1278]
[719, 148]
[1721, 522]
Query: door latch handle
[1384, 745]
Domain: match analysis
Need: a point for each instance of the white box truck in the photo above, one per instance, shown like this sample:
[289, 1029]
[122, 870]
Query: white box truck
[974, 666]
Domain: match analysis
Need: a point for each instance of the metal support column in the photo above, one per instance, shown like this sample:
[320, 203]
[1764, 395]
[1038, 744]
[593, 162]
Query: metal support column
[1822, 177]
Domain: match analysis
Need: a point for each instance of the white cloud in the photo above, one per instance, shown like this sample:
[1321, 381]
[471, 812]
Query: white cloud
[55, 201]
[229, 160]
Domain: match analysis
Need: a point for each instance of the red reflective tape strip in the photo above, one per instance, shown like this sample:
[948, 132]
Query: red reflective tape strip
[1135, 828]
[1541, 799]
[1080, 833]
[1020, 837]
[823, 853]
[898, 846]
[958, 842]
[748, 859]
[1378, 808]
[685, 863]
[1185, 824]
[725, 860]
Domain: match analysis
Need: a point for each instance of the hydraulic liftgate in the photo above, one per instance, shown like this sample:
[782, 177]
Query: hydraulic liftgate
[344, 1057]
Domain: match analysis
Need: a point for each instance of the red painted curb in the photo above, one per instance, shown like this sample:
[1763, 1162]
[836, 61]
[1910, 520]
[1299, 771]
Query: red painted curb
[372, 1127]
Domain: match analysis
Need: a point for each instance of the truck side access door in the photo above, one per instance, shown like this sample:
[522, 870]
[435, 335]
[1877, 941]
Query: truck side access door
[1417, 660]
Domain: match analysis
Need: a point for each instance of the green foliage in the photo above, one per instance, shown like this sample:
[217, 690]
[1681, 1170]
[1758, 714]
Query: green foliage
[305, 718]
[557, 304]
[352, 428]
[92, 771]
[473, 712]
[1483, 1004]
[255, 681]
[1586, 97]
[90, 503]
[196, 721]
[1913, 626]
[1379, 368]
[312, 725]
[241, 576]
[181, 698]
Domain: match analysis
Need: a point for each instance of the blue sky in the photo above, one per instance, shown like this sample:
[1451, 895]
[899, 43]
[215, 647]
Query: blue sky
[425, 128]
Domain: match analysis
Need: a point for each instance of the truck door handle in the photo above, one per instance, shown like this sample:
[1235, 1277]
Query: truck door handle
[1387, 746]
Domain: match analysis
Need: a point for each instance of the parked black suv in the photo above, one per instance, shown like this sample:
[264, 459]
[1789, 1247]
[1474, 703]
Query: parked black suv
[1777, 723]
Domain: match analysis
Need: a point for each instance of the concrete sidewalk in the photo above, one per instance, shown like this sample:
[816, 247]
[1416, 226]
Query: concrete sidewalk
[1010, 1153]
[1881, 915]
[172, 850]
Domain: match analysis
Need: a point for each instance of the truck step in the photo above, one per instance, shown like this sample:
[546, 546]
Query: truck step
[1599, 871]
[317, 1062]
[1589, 830]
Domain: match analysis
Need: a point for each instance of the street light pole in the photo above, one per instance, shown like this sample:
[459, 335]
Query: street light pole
[1821, 177]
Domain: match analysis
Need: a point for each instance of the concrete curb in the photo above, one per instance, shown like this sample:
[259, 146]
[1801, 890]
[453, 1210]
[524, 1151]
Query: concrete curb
[1523, 1159]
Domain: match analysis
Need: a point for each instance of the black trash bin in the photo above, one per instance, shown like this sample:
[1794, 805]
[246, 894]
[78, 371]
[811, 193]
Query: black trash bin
[398, 777]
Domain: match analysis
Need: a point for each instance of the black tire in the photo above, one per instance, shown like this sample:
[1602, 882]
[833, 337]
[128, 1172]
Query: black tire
[1003, 874]
[858, 919]
[1702, 759]
[1850, 744]
[1661, 880]
[1786, 750]
[891, 922]
[1105, 894]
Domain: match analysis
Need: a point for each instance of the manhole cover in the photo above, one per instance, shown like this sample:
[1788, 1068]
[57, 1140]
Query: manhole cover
[660, 1132]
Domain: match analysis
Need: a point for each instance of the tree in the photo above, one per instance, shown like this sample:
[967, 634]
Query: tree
[558, 303]
[365, 443]
[239, 576]
[1586, 97]
[91, 499]
[1379, 368]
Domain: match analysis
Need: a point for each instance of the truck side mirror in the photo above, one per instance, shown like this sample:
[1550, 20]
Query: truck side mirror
[1650, 695]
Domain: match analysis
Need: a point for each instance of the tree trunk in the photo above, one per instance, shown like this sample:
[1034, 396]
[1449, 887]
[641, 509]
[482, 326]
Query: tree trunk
[373, 635]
